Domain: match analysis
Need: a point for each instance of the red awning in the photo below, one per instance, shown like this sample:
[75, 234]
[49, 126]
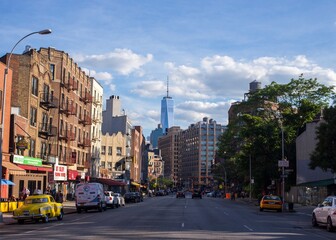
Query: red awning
[110, 182]
[44, 169]
[72, 174]
[28, 167]
[35, 168]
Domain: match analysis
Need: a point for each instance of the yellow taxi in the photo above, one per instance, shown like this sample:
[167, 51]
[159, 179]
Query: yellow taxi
[39, 207]
[271, 202]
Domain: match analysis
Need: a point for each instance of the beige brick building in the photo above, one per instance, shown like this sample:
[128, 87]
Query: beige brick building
[53, 94]
[113, 155]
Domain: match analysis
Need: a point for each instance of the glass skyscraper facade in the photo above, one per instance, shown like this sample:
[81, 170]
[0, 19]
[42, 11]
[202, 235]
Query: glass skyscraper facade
[167, 113]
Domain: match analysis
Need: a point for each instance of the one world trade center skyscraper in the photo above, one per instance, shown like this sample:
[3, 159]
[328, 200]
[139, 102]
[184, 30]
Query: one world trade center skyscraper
[167, 112]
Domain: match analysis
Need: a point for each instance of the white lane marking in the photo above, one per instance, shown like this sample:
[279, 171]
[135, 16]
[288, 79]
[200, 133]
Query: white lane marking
[225, 213]
[250, 229]
[182, 225]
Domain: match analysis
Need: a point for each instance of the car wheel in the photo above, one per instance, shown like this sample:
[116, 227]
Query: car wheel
[100, 208]
[79, 210]
[20, 221]
[45, 219]
[330, 227]
[261, 209]
[60, 217]
[314, 221]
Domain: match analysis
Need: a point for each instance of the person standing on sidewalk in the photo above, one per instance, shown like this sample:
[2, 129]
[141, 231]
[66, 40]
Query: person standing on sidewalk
[59, 197]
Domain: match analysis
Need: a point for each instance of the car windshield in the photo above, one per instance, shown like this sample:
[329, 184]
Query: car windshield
[36, 200]
[272, 198]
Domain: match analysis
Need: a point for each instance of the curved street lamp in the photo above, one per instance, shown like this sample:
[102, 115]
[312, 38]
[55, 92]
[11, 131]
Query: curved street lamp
[42, 32]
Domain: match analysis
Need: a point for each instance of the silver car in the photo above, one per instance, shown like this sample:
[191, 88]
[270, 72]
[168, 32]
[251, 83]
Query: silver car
[325, 214]
[121, 200]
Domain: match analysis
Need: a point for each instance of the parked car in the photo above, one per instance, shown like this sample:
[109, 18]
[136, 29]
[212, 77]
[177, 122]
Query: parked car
[120, 198]
[139, 195]
[196, 194]
[39, 207]
[160, 193]
[180, 194]
[271, 202]
[325, 214]
[132, 197]
[111, 199]
[211, 194]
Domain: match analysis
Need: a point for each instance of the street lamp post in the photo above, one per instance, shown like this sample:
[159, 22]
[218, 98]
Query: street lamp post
[250, 179]
[43, 32]
[283, 167]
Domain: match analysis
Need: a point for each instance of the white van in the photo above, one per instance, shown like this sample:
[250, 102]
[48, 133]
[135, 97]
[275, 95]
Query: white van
[90, 196]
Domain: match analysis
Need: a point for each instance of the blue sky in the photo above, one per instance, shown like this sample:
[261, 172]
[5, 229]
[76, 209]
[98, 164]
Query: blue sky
[210, 49]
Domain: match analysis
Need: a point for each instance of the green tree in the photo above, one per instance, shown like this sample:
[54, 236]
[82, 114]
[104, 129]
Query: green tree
[256, 133]
[324, 155]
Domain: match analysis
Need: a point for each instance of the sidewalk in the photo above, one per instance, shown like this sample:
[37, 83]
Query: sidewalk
[69, 207]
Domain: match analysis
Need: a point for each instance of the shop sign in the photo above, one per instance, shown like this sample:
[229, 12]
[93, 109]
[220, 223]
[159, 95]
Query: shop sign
[52, 159]
[51, 178]
[22, 144]
[60, 173]
[27, 160]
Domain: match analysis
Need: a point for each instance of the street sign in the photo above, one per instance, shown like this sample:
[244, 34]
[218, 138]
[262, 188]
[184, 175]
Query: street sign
[283, 163]
[284, 175]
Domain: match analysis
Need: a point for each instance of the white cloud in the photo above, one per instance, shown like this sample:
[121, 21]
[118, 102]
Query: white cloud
[206, 89]
[102, 76]
[122, 61]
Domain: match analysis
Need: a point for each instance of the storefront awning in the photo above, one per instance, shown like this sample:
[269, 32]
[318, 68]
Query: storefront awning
[138, 184]
[35, 168]
[135, 184]
[72, 174]
[13, 168]
[110, 182]
[45, 169]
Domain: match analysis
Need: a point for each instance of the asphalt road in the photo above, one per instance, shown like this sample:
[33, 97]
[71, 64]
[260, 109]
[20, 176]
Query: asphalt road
[170, 218]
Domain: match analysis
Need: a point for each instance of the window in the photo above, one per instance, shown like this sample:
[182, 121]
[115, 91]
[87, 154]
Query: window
[103, 150]
[33, 115]
[34, 86]
[119, 150]
[109, 150]
[32, 148]
[52, 71]
[44, 122]
[109, 164]
[43, 150]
